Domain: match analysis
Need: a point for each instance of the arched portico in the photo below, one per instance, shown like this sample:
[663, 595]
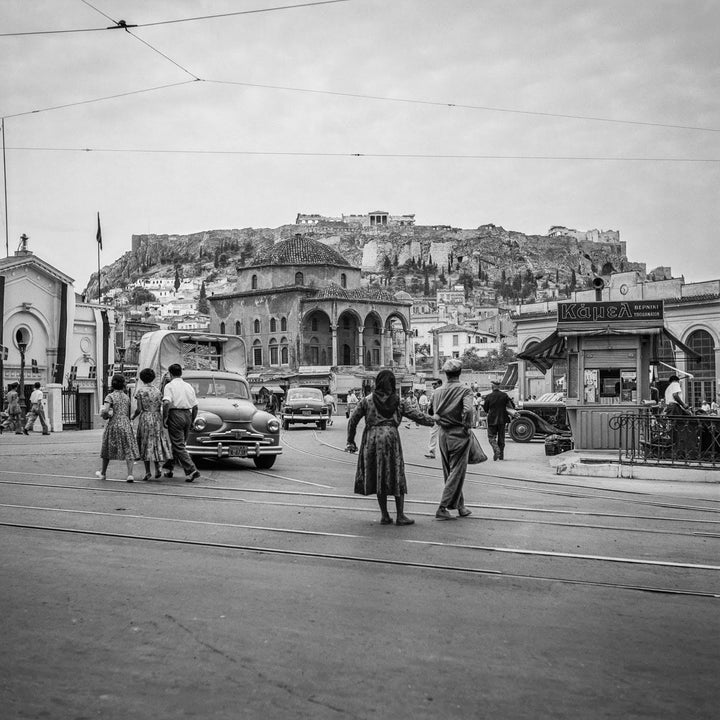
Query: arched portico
[316, 335]
[396, 340]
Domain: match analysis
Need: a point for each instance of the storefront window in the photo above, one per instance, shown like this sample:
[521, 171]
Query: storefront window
[610, 386]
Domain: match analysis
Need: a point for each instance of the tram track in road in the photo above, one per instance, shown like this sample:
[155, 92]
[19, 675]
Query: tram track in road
[153, 489]
[363, 559]
[529, 484]
[325, 534]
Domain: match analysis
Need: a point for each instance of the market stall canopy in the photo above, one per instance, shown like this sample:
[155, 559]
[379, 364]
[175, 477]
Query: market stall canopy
[681, 345]
[273, 389]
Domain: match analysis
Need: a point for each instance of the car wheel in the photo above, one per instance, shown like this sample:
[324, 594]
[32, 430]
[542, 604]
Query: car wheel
[286, 424]
[322, 424]
[522, 429]
[264, 462]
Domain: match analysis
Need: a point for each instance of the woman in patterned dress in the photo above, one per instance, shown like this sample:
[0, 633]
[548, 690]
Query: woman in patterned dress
[152, 438]
[381, 468]
[118, 442]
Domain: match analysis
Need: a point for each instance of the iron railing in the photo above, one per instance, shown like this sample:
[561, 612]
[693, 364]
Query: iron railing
[650, 438]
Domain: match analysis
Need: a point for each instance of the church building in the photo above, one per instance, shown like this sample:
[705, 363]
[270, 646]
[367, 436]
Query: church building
[50, 335]
[306, 318]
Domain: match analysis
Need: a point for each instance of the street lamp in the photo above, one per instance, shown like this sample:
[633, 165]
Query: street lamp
[22, 346]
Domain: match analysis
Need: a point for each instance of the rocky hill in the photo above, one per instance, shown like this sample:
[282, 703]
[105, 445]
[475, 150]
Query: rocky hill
[492, 263]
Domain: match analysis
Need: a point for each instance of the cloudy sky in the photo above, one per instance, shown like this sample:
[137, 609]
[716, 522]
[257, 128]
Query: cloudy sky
[522, 113]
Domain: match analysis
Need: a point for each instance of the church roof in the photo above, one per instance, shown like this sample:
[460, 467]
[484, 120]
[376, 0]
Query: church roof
[301, 250]
[373, 294]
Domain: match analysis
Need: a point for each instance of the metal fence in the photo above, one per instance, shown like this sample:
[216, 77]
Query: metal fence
[650, 438]
[70, 402]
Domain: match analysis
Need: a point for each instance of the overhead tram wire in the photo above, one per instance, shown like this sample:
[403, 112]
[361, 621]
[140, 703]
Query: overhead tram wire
[399, 156]
[122, 25]
[463, 106]
[99, 99]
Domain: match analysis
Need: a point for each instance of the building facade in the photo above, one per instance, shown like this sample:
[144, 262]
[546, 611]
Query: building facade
[301, 305]
[691, 313]
[54, 338]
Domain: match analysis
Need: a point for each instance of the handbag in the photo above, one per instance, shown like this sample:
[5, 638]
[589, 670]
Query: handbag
[477, 454]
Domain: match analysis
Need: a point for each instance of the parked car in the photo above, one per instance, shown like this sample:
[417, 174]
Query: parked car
[541, 417]
[305, 405]
[228, 425]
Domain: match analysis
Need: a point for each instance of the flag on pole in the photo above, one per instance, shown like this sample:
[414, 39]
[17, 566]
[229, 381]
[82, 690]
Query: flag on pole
[98, 235]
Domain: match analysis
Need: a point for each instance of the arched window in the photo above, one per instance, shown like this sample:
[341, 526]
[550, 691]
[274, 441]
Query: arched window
[273, 325]
[256, 327]
[257, 353]
[222, 328]
[238, 328]
[273, 351]
[284, 351]
[254, 282]
[299, 278]
[283, 324]
[314, 351]
[343, 280]
[703, 385]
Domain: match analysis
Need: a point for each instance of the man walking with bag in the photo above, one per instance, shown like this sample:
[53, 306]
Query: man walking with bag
[499, 408]
[453, 412]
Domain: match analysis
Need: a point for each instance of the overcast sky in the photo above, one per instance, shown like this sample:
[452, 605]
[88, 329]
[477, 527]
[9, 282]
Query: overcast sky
[600, 114]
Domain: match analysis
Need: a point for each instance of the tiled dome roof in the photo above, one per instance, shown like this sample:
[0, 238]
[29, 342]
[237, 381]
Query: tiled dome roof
[333, 291]
[301, 250]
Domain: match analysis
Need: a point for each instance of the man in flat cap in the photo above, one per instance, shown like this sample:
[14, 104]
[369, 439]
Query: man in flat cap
[499, 408]
[453, 412]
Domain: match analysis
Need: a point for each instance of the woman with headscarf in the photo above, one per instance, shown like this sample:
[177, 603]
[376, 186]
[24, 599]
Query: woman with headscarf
[381, 468]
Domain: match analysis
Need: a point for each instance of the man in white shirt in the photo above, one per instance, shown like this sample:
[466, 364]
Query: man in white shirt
[180, 409]
[675, 405]
[36, 412]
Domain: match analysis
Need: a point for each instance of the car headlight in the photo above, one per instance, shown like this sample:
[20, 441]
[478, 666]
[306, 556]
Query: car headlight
[273, 425]
[200, 423]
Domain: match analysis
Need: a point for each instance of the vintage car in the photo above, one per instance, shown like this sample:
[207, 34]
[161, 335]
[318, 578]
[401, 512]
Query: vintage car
[305, 405]
[545, 416]
[228, 425]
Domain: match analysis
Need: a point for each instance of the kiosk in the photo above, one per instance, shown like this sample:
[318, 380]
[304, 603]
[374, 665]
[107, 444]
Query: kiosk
[610, 349]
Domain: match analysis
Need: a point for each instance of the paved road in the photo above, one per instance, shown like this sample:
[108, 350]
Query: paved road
[278, 595]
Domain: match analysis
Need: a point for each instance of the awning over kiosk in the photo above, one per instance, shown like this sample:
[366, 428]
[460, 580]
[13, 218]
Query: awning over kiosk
[543, 354]
[680, 344]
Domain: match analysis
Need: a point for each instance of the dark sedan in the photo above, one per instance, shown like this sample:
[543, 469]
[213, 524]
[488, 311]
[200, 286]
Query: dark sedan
[305, 406]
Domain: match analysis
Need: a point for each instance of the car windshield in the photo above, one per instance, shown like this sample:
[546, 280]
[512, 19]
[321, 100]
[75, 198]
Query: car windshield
[219, 387]
[305, 394]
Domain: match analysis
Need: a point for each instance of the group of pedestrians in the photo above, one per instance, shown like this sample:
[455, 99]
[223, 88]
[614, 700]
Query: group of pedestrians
[165, 418]
[381, 468]
[12, 419]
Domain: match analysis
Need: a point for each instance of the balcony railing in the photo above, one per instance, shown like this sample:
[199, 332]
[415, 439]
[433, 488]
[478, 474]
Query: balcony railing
[650, 438]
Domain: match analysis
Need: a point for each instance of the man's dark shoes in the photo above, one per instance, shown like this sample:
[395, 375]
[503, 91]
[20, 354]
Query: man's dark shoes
[443, 514]
[464, 512]
[386, 520]
[404, 520]
[167, 473]
[193, 476]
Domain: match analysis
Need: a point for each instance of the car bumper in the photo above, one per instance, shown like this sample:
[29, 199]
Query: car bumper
[316, 417]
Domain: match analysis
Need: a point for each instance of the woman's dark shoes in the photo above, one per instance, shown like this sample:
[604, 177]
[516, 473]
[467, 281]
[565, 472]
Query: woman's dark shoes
[193, 476]
[386, 520]
[147, 478]
[404, 520]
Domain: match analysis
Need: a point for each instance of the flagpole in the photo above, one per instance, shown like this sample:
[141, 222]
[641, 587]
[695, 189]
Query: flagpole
[7, 237]
[98, 238]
